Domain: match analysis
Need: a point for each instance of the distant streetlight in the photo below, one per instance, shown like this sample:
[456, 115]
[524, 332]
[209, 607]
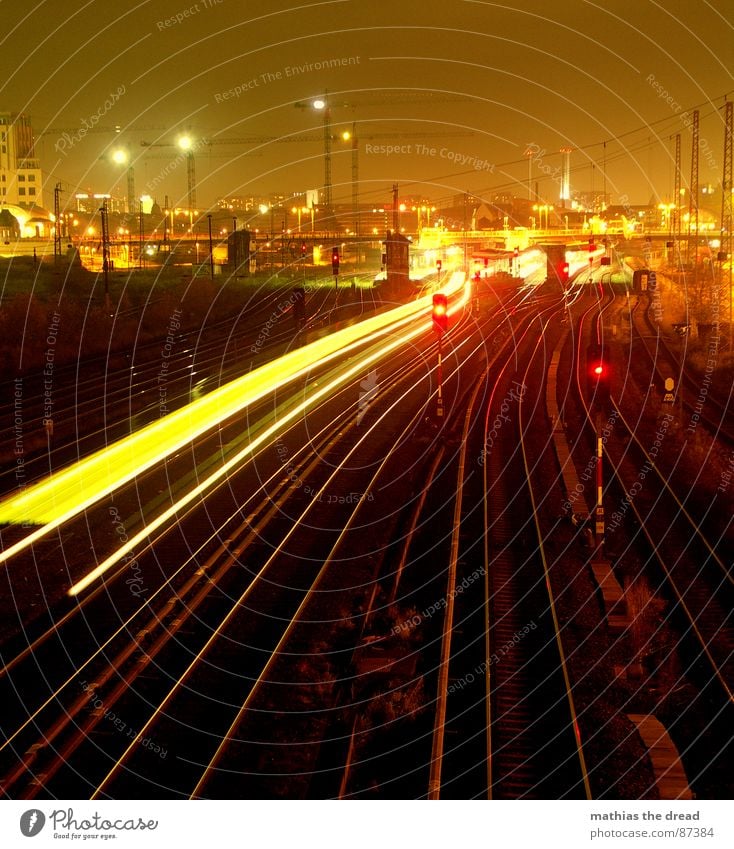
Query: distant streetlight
[299, 210]
[541, 208]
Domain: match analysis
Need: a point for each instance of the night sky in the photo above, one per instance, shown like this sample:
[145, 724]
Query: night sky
[474, 82]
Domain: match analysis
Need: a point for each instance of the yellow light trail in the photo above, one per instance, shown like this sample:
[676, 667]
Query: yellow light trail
[63, 495]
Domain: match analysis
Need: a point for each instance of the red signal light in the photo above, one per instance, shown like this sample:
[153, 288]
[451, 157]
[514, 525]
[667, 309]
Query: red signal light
[598, 374]
[335, 260]
[440, 313]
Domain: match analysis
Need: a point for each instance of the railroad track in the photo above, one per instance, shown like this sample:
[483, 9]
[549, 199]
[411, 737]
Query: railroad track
[698, 576]
[537, 752]
[713, 413]
[505, 719]
[122, 400]
[90, 694]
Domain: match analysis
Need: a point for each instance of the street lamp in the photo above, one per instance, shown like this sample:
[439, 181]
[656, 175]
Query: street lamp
[347, 136]
[299, 210]
[120, 156]
[540, 209]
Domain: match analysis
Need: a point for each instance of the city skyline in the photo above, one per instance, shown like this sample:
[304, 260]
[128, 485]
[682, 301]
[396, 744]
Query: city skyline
[439, 106]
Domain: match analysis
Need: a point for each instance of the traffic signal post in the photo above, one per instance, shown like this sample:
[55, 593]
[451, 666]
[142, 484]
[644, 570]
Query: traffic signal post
[598, 388]
[599, 528]
[440, 325]
[335, 267]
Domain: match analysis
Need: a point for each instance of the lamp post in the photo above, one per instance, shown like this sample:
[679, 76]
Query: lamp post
[352, 136]
[121, 156]
[543, 208]
[322, 105]
[529, 154]
[211, 248]
[105, 254]
[186, 144]
[263, 210]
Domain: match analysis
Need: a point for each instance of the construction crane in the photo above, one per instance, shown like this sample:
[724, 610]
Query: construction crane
[188, 146]
[391, 97]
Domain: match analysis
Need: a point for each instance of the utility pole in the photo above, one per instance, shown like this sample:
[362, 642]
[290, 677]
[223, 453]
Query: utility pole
[105, 255]
[141, 237]
[211, 248]
[327, 151]
[676, 195]
[355, 184]
[57, 223]
[131, 202]
[191, 178]
[693, 200]
[725, 249]
[529, 154]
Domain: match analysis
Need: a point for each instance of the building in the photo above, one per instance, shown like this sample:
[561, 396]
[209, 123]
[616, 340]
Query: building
[90, 203]
[20, 171]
